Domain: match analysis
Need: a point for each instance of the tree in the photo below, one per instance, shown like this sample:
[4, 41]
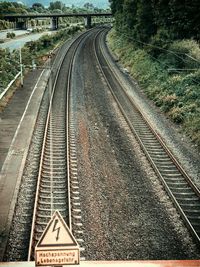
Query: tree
[145, 26]
[116, 6]
[185, 17]
[162, 14]
[38, 7]
[56, 5]
[129, 14]
[88, 6]
[144, 19]
[117, 10]
[8, 8]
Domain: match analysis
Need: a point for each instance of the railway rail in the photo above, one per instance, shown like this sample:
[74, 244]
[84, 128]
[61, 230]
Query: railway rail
[46, 184]
[183, 192]
[57, 185]
[54, 186]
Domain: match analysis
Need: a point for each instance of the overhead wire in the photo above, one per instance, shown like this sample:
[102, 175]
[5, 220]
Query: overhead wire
[162, 49]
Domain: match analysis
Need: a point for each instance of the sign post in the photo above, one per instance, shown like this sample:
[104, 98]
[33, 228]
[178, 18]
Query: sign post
[57, 246]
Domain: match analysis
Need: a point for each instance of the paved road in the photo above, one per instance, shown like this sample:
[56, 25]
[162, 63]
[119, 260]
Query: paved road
[19, 42]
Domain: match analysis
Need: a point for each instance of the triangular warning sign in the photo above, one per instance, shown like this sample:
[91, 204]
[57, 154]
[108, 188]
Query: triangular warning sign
[57, 234]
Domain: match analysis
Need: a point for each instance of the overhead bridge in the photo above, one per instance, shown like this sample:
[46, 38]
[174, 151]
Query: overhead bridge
[21, 21]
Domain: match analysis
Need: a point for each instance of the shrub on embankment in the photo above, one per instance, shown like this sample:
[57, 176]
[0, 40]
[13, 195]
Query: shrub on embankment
[9, 67]
[36, 51]
[171, 78]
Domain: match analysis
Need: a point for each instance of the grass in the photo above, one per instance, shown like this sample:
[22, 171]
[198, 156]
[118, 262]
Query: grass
[177, 94]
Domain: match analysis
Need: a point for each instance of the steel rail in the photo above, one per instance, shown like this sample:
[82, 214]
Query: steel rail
[76, 43]
[183, 192]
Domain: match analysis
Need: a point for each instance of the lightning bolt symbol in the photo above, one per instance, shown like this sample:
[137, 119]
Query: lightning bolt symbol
[56, 229]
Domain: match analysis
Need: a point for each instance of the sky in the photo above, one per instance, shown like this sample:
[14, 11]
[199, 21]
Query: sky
[77, 3]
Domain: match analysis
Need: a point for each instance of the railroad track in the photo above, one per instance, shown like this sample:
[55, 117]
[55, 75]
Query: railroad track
[183, 192]
[54, 187]
[22, 219]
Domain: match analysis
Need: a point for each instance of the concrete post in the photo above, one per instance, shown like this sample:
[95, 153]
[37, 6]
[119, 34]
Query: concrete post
[89, 22]
[54, 23]
[21, 24]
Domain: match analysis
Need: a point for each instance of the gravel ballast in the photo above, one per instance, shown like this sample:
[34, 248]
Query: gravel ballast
[126, 212]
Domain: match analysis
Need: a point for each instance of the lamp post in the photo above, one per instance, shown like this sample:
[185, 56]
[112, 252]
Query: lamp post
[21, 66]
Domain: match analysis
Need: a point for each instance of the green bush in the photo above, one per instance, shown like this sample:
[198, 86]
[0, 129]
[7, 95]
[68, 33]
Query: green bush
[10, 35]
[177, 94]
[34, 50]
[168, 102]
[192, 126]
[158, 43]
[9, 66]
[184, 54]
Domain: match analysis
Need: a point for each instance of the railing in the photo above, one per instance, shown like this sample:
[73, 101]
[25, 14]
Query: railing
[9, 85]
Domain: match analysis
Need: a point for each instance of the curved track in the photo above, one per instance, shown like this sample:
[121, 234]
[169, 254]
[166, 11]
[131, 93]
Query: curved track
[181, 189]
[53, 186]
[57, 184]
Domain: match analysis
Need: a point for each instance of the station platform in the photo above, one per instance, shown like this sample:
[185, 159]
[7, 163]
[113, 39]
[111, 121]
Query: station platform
[158, 263]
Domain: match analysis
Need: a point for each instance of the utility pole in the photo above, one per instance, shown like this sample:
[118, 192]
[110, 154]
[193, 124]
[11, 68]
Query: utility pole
[21, 66]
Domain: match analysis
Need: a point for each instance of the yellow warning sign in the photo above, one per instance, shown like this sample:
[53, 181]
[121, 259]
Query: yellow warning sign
[57, 245]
